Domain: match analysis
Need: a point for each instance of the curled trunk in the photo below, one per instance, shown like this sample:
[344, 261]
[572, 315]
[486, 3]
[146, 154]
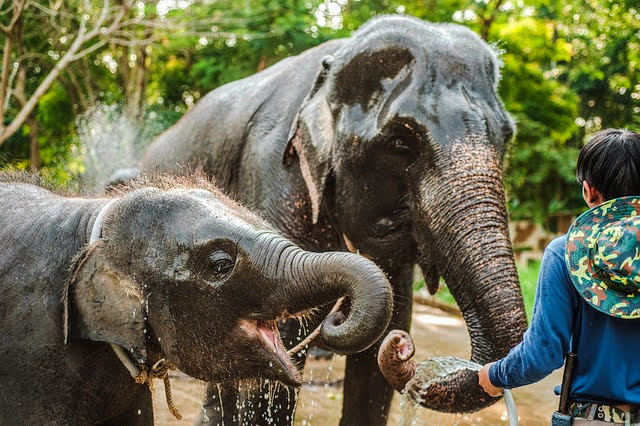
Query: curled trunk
[394, 359]
[436, 382]
[306, 280]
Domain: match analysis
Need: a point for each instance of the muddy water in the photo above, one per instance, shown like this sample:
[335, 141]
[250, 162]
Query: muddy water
[434, 334]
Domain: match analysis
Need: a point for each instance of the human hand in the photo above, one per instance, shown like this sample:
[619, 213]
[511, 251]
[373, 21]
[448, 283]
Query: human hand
[485, 383]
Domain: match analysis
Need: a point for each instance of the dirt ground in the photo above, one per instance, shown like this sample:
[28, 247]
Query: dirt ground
[435, 334]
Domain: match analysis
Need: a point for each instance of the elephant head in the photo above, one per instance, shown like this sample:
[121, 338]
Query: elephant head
[406, 115]
[189, 275]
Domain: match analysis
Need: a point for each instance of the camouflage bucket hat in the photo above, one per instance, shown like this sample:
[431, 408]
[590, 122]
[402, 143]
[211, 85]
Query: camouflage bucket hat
[603, 256]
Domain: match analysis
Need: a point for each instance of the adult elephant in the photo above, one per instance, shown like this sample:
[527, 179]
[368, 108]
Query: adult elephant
[390, 142]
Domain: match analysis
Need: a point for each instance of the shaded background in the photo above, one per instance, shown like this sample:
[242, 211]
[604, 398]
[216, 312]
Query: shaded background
[570, 68]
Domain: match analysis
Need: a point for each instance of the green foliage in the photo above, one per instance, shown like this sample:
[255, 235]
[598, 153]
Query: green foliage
[570, 68]
[15, 149]
[55, 111]
[528, 276]
[533, 40]
[542, 157]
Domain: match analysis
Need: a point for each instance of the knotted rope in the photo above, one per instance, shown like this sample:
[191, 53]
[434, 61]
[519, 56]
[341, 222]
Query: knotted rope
[159, 370]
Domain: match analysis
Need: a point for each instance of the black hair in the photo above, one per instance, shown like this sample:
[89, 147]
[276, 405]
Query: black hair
[610, 162]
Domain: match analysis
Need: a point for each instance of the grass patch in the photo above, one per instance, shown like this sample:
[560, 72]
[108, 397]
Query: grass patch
[528, 282]
[528, 275]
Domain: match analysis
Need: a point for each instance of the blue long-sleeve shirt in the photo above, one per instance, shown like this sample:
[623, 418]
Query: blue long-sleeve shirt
[608, 364]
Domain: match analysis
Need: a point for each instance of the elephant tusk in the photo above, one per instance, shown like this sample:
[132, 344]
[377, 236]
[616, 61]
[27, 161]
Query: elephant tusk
[352, 248]
[315, 332]
[125, 360]
[96, 231]
[350, 245]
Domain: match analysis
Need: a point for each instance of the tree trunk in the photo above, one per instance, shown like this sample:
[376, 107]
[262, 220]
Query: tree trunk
[34, 151]
[4, 77]
[262, 63]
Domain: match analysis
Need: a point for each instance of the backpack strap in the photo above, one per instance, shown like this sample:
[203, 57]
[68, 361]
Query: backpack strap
[570, 361]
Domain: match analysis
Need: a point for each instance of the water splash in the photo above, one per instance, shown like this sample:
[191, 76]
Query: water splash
[428, 371]
[408, 408]
[438, 367]
[110, 140]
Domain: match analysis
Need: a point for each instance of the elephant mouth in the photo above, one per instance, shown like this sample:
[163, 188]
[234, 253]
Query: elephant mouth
[267, 335]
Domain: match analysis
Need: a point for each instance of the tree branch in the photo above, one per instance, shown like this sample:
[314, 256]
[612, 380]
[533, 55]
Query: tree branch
[76, 89]
[20, 69]
[14, 71]
[18, 8]
[487, 22]
[4, 76]
[93, 30]
[87, 81]
[83, 36]
[89, 50]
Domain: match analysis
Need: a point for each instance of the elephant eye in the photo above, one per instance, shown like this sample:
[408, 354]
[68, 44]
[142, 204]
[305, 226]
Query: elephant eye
[399, 144]
[220, 262]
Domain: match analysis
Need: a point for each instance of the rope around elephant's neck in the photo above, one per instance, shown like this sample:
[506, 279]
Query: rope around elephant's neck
[140, 373]
[315, 332]
[160, 370]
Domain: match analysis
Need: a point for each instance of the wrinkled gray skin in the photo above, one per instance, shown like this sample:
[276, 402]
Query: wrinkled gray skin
[390, 142]
[436, 380]
[182, 274]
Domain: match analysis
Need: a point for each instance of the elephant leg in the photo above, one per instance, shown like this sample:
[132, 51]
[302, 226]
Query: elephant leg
[139, 412]
[258, 404]
[367, 394]
[218, 406]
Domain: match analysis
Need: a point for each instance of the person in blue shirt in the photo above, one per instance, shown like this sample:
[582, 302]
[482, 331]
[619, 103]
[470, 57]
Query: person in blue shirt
[588, 294]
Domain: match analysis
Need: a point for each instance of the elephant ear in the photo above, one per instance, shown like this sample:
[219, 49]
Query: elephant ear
[312, 136]
[107, 305]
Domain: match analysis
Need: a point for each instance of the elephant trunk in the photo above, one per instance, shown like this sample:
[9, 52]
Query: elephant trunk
[394, 358]
[467, 229]
[305, 280]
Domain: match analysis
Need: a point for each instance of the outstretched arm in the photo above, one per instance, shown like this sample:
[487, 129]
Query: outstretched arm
[547, 339]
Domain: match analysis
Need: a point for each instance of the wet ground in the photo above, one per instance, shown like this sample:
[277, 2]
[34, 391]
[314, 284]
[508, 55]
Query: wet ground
[434, 333]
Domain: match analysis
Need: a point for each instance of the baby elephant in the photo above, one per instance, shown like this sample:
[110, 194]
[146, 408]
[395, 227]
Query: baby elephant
[93, 291]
